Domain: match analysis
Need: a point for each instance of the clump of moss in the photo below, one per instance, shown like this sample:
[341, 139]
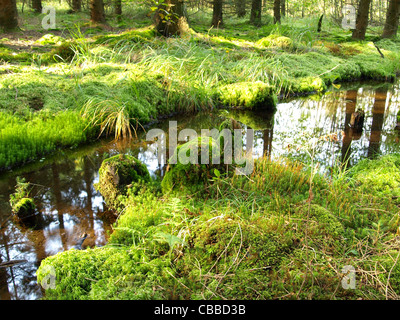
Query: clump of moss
[231, 254]
[50, 39]
[24, 208]
[274, 40]
[116, 174]
[62, 53]
[22, 205]
[249, 95]
[194, 175]
[380, 177]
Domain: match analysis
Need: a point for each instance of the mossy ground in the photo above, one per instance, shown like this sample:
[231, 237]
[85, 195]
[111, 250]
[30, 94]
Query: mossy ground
[266, 236]
[47, 76]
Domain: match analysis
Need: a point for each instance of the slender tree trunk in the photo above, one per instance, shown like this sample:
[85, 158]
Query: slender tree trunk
[240, 8]
[175, 22]
[97, 11]
[76, 5]
[37, 6]
[8, 14]
[118, 7]
[255, 15]
[283, 8]
[217, 13]
[362, 20]
[277, 11]
[392, 19]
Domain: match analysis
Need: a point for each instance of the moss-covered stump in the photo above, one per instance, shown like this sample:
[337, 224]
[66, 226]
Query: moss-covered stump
[194, 175]
[249, 95]
[24, 209]
[116, 174]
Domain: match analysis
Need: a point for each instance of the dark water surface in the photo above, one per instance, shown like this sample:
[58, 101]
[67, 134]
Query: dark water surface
[70, 206]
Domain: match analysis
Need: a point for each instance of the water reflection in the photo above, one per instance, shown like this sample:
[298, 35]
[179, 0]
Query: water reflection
[69, 205]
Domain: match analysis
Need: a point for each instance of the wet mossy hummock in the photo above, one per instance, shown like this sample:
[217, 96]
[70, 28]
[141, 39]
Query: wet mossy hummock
[193, 177]
[117, 173]
[248, 95]
[25, 208]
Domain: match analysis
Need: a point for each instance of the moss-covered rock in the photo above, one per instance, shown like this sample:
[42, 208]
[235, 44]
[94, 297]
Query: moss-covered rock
[118, 172]
[249, 95]
[24, 208]
[194, 175]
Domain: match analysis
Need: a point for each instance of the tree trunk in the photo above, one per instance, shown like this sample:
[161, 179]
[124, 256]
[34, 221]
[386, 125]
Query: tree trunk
[8, 14]
[277, 11]
[170, 19]
[97, 11]
[240, 8]
[37, 6]
[362, 20]
[76, 5]
[255, 15]
[118, 7]
[392, 19]
[217, 14]
[283, 8]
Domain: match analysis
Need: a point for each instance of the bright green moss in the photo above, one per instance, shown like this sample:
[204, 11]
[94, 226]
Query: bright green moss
[24, 208]
[249, 95]
[275, 40]
[379, 177]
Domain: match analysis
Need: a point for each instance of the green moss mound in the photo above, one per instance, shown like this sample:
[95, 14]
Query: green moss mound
[231, 254]
[24, 208]
[118, 172]
[193, 176]
[249, 95]
[274, 40]
[96, 274]
[380, 177]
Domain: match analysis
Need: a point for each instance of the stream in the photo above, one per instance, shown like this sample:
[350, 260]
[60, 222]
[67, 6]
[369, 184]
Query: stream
[69, 206]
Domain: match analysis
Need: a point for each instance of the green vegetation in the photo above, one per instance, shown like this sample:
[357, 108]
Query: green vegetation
[116, 173]
[121, 80]
[284, 232]
[266, 236]
[21, 204]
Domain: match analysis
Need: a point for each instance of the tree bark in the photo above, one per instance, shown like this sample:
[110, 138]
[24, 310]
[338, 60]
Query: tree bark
[217, 13]
[392, 19]
[97, 11]
[283, 8]
[170, 19]
[37, 6]
[240, 8]
[362, 20]
[76, 5]
[118, 7]
[8, 14]
[255, 15]
[277, 11]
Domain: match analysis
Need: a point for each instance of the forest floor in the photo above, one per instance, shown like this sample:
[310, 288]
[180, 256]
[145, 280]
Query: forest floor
[49, 77]
[285, 232]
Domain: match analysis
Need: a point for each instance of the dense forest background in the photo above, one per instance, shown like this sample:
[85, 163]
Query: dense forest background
[168, 12]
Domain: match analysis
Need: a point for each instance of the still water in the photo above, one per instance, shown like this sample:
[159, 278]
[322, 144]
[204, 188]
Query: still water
[69, 205]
